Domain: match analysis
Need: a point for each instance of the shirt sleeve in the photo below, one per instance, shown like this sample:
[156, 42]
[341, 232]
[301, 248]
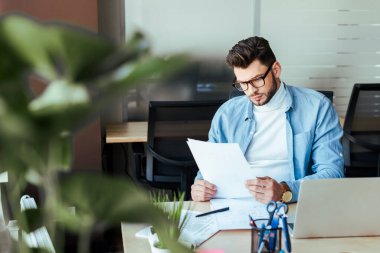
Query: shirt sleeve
[326, 152]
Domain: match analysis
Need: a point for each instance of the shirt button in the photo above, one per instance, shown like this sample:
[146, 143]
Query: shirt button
[251, 133]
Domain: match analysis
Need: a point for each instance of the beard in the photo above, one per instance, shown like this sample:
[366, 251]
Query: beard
[269, 95]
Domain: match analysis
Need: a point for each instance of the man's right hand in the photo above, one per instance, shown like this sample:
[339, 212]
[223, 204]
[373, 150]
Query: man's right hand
[202, 190]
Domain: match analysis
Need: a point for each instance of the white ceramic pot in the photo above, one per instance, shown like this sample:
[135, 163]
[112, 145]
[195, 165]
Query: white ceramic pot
[154, 249]
[153, 240]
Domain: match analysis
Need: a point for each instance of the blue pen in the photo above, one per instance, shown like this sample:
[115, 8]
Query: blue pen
[261, 247]
[273, 233]
[261, 242]
[286, 233]
[262, 232]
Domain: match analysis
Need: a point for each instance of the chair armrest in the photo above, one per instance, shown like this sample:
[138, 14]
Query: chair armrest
[167, 160]
[364, 144]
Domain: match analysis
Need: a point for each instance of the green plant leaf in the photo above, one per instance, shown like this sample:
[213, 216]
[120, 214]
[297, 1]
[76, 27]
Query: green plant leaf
[31, 43]
[13, 125]
[78, 51]
[85, 73]
[112, 200]
[60, 156]
[54, 51]
[60, 96]
[135, 48]
[10, 65]
[148, 69]
[33, 219]
[172, 209]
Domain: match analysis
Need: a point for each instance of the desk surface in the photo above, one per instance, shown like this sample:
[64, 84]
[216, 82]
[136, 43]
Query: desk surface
[127, 132]
[240, 240]
[134, 132]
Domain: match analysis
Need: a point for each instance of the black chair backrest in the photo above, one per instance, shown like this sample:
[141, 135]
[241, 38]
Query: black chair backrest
[362, 131]
[235, 93]
[170, 124]
[329, 94]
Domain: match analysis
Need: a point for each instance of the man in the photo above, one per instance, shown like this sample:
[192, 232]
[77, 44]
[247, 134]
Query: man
[287, 133]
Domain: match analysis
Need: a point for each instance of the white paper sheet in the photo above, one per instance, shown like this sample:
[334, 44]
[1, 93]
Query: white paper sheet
[237, 217]
[195, 231]
[224, 165]
[198, 229]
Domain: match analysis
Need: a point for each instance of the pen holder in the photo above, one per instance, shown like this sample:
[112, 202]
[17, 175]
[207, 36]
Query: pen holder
[255, 235]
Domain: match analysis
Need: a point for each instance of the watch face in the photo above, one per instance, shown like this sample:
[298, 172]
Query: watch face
[287, 196]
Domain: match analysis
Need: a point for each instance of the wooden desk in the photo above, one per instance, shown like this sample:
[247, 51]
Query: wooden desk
[127, 132]
[240, 240]
[136, 132]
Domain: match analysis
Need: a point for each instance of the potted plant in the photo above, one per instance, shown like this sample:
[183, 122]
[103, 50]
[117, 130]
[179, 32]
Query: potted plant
[83, 73]
[173, 209]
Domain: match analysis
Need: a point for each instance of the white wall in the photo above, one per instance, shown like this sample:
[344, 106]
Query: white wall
[205, 28]
[324, 44]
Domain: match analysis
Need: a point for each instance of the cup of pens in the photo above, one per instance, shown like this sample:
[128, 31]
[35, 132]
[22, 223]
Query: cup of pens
[266, 239]
[267, 236]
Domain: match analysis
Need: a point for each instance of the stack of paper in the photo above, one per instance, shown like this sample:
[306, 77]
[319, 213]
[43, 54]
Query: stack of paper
[194, 233]
[237, 216]
[198, 229]
[224, 165]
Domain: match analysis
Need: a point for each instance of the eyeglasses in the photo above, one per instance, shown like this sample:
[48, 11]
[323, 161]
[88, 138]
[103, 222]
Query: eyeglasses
[256, 82]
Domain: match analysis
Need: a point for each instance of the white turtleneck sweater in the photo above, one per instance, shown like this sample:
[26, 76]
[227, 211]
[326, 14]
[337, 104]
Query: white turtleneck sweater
[267, 153]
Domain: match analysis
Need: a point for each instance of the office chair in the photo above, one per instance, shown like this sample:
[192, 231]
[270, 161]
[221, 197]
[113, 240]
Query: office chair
[329, 94]
[169, 163]
[361, 139]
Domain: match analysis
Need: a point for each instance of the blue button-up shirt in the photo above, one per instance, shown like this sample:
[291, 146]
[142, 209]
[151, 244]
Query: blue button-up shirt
[313, 134]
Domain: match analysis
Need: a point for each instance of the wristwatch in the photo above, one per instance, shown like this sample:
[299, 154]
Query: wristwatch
[287, 194]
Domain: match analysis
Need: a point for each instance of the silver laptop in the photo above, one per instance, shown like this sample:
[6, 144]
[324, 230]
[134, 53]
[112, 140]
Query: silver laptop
[338, 208]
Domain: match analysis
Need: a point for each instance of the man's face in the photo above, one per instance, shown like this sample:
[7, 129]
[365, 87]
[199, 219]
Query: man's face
[259, 96]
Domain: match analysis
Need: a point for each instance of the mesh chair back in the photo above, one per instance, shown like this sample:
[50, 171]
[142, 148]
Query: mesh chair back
[169, 160]
[362, 131]
[329, 94]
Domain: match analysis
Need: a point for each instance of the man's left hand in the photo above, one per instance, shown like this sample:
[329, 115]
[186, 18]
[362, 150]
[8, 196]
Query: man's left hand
[265, 189]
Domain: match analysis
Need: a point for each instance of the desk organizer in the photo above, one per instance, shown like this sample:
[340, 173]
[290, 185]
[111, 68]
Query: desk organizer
[255, 235]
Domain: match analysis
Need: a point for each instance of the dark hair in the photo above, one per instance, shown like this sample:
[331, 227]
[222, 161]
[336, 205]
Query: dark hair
[248, 50]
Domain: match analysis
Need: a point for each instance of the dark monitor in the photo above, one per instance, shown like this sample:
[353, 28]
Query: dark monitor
[199, 80]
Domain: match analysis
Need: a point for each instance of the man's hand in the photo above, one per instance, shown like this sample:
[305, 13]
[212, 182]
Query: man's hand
[265, 189]
[202, 190]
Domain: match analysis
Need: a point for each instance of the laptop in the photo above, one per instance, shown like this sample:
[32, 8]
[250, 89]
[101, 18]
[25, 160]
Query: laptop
[338, 208]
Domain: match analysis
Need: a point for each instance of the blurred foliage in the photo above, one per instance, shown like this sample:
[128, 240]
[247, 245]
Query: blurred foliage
[172, 208]
[83, 73]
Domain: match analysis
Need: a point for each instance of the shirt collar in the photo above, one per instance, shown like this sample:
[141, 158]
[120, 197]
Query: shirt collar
[289, 97]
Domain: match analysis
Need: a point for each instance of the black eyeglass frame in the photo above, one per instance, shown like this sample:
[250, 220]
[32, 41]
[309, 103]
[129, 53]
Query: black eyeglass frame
[237, 85]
